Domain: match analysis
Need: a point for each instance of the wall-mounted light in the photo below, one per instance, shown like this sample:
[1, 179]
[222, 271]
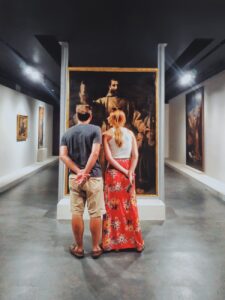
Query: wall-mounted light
[187, 78]
[32, 73]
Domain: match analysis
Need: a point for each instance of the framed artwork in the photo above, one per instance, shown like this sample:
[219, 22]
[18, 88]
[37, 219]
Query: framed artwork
[195, 129]
[133, 90]
[22, 127]
[41, 127]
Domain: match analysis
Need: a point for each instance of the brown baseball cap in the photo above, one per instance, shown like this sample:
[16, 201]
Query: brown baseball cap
[83, 109]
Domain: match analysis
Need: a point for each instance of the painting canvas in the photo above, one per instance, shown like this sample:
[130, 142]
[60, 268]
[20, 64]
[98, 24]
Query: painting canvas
[41, 127]
[22, 127]
[135, 92]
[195, 129]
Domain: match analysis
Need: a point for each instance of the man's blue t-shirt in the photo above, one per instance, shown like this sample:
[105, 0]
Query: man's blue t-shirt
[79, 140]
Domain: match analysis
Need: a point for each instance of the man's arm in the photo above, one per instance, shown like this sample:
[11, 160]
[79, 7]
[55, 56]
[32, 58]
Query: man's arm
[92, 158]
[95, 150]
[63, 155]
[84, 174]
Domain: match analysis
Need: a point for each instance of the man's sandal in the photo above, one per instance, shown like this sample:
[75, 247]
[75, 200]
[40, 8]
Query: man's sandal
[75, 252]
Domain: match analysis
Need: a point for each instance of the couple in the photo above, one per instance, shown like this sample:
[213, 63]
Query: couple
[80, 148]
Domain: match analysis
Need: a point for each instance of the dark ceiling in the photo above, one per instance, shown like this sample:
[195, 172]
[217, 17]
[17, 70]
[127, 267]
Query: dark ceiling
[109, 33]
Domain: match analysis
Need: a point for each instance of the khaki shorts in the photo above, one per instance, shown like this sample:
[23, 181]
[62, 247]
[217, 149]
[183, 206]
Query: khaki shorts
[91, 192]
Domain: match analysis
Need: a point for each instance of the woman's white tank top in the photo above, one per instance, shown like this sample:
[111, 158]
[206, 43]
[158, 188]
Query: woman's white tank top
[125, 150]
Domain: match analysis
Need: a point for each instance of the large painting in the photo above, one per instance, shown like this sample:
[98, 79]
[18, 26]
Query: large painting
[195, 129]
[41, 127]
[22, 127]
[135, 92]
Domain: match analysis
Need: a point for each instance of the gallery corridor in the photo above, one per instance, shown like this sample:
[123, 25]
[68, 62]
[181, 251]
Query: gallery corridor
[184, 256]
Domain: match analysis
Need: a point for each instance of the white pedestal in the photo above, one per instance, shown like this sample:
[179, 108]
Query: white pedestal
[149, 209]
[42, 154]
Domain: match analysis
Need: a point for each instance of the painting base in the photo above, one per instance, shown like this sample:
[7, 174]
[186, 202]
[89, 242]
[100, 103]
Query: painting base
[42, 154]
[149, 209]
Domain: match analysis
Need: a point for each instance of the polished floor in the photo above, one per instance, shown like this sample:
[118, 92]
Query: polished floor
[184, 256]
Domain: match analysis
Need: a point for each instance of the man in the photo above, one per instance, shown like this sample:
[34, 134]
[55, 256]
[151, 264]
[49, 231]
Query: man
[80, 146]
[111, 102]
[83, 99]
[83, 95]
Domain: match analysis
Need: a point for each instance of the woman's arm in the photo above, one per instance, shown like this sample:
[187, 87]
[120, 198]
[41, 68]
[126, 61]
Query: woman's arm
[134, 158]
[108, 155]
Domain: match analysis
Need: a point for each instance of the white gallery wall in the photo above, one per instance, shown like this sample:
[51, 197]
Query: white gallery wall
[214, 127]
[14, 154]
[166, 145]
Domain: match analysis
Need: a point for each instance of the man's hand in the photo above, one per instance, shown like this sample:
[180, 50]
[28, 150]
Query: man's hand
[82, 177]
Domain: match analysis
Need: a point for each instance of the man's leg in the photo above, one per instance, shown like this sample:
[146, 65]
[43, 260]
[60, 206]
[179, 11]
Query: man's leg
[77, 208]
[95, 228]
[78, 230]
[95, 203]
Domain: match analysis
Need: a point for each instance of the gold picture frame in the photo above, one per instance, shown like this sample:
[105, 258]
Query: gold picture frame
[140, 87]
[22, 128]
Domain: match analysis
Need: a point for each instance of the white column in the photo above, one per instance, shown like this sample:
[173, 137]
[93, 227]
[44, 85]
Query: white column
[63, 84]
[161, 118]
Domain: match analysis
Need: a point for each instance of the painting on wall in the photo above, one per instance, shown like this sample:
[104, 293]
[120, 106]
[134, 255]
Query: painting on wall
[41, 127]
[135, 92]
[22, 128]
[195, 129]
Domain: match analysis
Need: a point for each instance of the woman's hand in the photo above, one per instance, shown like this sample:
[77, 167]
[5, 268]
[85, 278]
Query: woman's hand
[130, 176]
[126, 172]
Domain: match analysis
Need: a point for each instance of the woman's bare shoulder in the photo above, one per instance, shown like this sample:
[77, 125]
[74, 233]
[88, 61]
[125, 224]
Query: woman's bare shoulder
[108, 134]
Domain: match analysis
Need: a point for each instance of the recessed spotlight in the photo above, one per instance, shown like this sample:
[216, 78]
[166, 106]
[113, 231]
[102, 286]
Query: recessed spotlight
[32, 73]
[187, 78]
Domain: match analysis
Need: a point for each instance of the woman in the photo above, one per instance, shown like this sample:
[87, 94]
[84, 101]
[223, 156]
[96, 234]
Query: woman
[121, 228]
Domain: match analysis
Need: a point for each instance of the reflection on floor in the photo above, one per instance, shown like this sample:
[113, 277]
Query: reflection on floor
[184, 256]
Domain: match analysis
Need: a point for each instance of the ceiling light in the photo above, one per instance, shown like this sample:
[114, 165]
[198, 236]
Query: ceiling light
[187, 78]
[32, 73]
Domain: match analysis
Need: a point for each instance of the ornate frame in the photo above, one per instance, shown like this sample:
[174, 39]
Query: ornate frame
[120, 70]
[22, 131]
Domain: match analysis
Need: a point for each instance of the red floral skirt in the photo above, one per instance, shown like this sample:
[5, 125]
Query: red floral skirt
[121, 227]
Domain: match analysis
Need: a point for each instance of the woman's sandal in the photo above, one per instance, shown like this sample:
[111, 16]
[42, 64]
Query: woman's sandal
[140, 249]
[75, 252]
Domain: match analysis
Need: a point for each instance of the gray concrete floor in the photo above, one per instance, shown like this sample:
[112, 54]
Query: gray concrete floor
[184, 256]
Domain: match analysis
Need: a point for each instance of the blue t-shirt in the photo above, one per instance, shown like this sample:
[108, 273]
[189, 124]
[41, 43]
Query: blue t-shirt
[79, 140]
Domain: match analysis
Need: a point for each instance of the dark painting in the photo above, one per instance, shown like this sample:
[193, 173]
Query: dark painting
[194, 128]
[41, 112]
[135, 92]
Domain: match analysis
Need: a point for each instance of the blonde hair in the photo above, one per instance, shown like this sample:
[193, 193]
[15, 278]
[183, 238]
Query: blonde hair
[117, 119]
